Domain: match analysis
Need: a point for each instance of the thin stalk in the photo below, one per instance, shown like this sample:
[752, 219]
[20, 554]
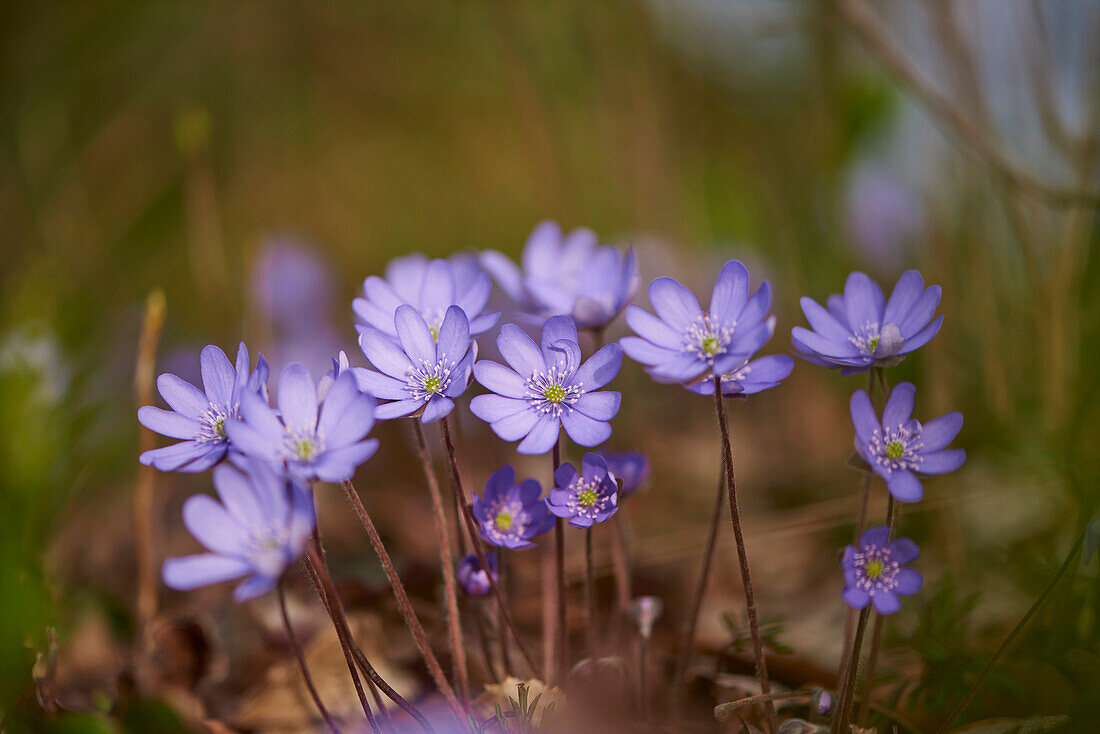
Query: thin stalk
[643, 683]
[302, 662]
[483, 641]
[446, 561]
[559, 576]
[840, 723]
[742, 557]
[589, 595]
[403, 603]
[892, 513]
[1012, 636]
[620, 563]
[502, 631]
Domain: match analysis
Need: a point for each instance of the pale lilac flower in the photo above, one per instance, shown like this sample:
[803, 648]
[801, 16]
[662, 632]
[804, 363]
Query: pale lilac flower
[631, 468]
[749, 377]
[899, 447]
[543, 390]
[567, 275]
[585, 498]
[313, 440]
[429, 286]
[259, 528]
[510, 514]
[684, 344]
[862, 329]
[422, 371]
[875, 573]
[472, 577]
[200, 417]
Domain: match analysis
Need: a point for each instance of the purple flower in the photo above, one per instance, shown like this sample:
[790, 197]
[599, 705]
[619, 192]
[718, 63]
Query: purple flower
[567, 275]
[543, 390]
[683, 344]
[422, 371]
[629, 467]
[585, 498]
[472, 577]
[899, 448]
[312, 439]
[861, 329]
[200, 417]
[874, 572]
[258, 529]
[431, 287]
[749, 377]
[511, 514]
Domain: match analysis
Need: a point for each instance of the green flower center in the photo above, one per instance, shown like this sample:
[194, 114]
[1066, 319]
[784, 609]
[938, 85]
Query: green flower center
[435, 333]
[305, 448]
[894, 450]
[219, 428]
[504, 521]
[874, 569]
[432, 383]
[711, 345]
[587, 497]
[554, 393]
[873, 344]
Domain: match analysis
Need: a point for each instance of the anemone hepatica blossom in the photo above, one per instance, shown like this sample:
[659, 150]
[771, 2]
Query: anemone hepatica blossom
[899, 447]
[567, 275]
[875, 573]
[510, 514]
[258, 529]
[314, 440]
[585, 498]
[544, 390]
[431, 287]
[472, 577]
[199, 417]
[683, 344]
[862, 329]
[629, 467]
[418, 372]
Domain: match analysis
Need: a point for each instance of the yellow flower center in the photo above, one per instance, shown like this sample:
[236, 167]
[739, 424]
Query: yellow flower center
[435, 333]
[554, 393]
[874, 569]
[504, 521]
[587, 497]
[305, 449]
[432, 383]
[895, 449]
[711, 345]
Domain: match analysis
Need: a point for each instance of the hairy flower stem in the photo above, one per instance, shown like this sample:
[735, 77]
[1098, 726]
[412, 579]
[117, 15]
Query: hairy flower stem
[840, 723]
[589, 596]
[302, 662]
[892, 513]
[957, 711]
[446, 561]
[620, 563]
[559, 577]
[483, 642]
[403, 603]
[687, 642]
[742, 557]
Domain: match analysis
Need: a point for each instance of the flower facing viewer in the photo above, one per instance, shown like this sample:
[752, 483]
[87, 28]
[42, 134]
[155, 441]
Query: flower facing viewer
[257, 530]
[544, 390]
[899, 448]
[875, 573]
[585, 498]
[862, 329]
[510, 514]
[199, 416]
[472, 577]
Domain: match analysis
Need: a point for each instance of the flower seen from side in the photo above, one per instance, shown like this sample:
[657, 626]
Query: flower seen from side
[587, 497]
[472, 577]
[631, 468]
[510, 515]
[875, 572]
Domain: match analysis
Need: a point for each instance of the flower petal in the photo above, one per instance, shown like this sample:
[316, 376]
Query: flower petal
[731, 292]
[904, 550]
[218, 375]
[297, 398]
[541, 438]
[516, 426]
[855, 597]
[675, 305]
[213, 526]
[921, 313]
[238, 496]
[600, 369]
[905, 486]
[492, 408]
[907, 290]
[585, 431]
[863, 300]
[454, 335]
[380, 386]
[186, 456]
[899, 407]
[182, 396]
[942, 462]
[168, 423]
[500, 379]
[877, 536]
[384, 354]
[415, 335]
[397, 409]
[652, 329]
[909, 581]
[863, 416]
[823, 322]
[438, 406]
[886, 602]
[438, 291]
[939, 432]
[192, 572]
[601, 406]
[340, 464]
[519, 350]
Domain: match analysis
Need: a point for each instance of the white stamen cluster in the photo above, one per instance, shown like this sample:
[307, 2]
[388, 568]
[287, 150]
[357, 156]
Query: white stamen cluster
[706, 339]
[865, 339]
[897, 448]
[212, 422]
[426, 380]
[876, 571]
[548, 393]
[302, 444]
[586, 498]
[264, 549]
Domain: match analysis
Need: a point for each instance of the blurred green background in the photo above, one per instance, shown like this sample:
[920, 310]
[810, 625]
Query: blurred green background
[161, 145]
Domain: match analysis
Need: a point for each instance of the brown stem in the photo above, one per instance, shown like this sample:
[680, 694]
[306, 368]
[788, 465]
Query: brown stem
[446, 561]
[840, 723]
[589, 595]
[620, 563]
[892, 513]
[559, 577]
[742, 556]
[483, 642]
[302, 661]
[403, 603]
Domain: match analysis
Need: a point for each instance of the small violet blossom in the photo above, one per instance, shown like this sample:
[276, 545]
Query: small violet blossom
[629, 467]
[544, 390]
[586, 498]
[259, 528]
[567, 275]
[472, 577]
[875, 573]
[862, 329]
[422, 371]
[313, 439]
[684, 344]
[899, 448]
[431, 287]
[511, 514]
[199, 417]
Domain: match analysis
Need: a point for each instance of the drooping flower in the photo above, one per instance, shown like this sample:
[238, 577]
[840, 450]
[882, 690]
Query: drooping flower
[199, 417]
[418, 372]
[313, 440]
[899, 447]
[431, 287]
[472, 577]
[629, 467]
[510, 514]
[875, 573]
[585, 498]
[542, 391]
[749, 377]
[685, 345]
[567, 275]
[257, 530]
[861, 329]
